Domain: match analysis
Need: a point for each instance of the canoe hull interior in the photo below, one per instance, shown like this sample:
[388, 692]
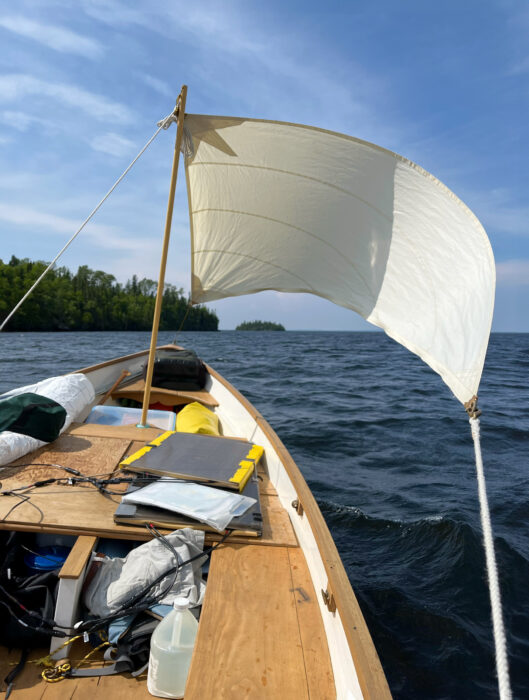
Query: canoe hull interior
[355, 665]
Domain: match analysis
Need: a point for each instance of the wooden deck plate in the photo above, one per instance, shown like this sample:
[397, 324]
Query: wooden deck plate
[249, 637]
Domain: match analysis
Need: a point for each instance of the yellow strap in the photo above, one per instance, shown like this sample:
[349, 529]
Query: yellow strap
[146, 448]
[246, 466]
[255, 453]
[242, 474]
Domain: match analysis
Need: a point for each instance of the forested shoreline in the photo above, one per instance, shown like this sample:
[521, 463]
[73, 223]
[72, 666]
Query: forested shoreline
[260, 326]
[91, 300]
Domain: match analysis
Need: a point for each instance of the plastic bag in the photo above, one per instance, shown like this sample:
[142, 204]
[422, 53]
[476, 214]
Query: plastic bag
[209, 505]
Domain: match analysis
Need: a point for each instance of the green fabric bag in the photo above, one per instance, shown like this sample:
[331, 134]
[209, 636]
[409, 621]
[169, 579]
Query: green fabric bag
[33, 415]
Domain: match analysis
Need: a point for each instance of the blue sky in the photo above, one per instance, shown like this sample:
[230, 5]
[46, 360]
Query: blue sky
[83, 84]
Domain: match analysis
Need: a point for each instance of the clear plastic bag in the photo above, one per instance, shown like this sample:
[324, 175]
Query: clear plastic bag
[209, 505]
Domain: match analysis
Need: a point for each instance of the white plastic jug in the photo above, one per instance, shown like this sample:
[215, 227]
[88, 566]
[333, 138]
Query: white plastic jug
[172, 645]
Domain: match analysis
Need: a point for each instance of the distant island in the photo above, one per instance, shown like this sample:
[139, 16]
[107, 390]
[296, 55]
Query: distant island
[259, 326]
[91, 300]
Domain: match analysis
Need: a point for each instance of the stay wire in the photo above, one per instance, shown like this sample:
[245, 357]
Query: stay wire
[163, 124]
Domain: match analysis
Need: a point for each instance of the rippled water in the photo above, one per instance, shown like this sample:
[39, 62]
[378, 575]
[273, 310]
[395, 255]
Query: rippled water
[388, 454]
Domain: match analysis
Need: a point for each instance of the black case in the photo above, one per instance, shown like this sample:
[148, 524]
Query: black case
[181, 370]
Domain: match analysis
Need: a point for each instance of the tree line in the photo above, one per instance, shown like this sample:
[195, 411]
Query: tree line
[92, 300]
[260, 326]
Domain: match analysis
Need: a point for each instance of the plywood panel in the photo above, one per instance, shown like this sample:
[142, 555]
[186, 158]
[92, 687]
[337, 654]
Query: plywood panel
[84, 511]
[88, 455]
[248, 638]
[133, 447]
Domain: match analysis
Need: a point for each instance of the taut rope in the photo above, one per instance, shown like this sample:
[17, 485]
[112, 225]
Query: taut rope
[502, 663]
[163, 124]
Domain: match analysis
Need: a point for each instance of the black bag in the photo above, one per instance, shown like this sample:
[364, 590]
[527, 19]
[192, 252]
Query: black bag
[180, 370]
[36, 592]
[130, 654]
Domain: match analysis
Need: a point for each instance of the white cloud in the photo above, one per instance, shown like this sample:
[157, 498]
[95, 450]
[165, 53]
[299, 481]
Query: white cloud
[22, 121]
[102, 236]
[54, 37]
[20, 86]
[113, 144]
[158, 85]
[303, 75]
[513, 273]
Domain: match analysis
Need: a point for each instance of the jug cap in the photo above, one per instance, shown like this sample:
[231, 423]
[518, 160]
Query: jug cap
[180, 603]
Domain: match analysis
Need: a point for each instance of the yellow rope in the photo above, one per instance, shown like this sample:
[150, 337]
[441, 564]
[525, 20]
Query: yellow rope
[48, 660]
[57, 673]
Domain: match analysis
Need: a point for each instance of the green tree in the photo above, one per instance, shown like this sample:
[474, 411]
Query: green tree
[91, 300]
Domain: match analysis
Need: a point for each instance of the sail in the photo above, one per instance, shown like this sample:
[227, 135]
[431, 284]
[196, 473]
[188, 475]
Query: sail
[299, 209]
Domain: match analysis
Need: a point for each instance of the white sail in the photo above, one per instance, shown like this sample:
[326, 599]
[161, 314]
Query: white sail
[299, 209]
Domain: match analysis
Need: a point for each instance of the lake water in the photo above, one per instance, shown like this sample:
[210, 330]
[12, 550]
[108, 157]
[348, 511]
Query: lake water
[388, 455]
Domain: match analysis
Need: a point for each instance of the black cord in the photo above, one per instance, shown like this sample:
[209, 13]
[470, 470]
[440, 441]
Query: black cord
[131, 607]
[23, 499]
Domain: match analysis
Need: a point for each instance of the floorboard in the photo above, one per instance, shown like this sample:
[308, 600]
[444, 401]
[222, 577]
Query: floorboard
[250, 635]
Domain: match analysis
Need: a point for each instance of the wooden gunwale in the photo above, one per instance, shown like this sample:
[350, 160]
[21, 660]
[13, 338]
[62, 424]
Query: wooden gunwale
[119, 360]
[371, 676]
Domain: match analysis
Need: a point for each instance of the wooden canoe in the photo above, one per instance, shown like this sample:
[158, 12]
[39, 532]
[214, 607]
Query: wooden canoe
[280, 618]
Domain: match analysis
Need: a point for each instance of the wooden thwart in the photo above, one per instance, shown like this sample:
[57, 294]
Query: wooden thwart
[166, 396]
[78, 557]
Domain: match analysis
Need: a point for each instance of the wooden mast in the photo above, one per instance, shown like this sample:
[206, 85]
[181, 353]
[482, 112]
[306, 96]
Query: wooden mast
[180, 114]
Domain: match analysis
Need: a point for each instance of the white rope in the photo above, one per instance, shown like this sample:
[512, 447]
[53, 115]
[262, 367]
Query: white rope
[502, 664]
[163, 124]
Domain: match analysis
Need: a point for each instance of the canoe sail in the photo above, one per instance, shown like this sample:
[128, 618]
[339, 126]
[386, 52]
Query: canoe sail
[299, 209]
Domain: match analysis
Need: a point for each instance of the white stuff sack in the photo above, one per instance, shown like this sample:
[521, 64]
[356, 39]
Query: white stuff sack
[212, 506]
[118, 580]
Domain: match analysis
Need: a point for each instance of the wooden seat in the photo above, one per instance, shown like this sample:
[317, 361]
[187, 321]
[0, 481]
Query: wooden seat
[166, 396]
[260, 634]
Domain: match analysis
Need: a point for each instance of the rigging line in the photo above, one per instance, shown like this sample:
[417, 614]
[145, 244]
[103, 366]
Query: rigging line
[189, 307]
[163, 124]
[502, 663]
